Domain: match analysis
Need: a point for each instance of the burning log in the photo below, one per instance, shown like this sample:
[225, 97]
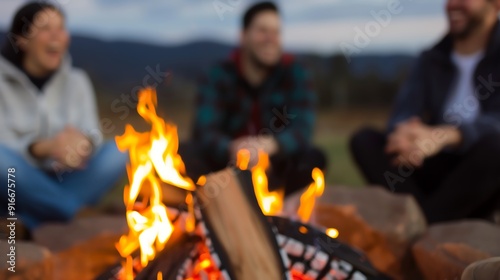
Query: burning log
[237, 229]
[167, 263]
[171, 260]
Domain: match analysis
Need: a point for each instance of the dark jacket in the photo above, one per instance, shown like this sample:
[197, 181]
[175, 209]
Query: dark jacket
[228, 108]
[428, 88]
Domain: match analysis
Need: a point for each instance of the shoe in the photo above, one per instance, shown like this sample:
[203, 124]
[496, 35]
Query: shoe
[488, 269]
[496, 217]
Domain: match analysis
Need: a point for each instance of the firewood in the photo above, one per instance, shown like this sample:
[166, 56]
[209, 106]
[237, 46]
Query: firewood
[173, 196]
[238, 229]
[170, 260]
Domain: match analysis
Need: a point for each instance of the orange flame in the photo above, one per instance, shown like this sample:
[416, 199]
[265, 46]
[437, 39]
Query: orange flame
[271, 203]
[201, 181]
[153, 159]
[308, 198]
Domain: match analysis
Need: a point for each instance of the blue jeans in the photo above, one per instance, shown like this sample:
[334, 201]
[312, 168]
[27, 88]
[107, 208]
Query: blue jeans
[41, 197]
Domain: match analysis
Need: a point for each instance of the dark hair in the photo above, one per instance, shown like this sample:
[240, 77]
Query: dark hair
[20, 27]
[256, 9]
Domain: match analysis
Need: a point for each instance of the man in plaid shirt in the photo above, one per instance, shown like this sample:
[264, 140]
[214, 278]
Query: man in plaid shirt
[260, 99]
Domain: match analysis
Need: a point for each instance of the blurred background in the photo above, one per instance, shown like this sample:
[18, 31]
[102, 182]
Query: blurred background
[359, 52]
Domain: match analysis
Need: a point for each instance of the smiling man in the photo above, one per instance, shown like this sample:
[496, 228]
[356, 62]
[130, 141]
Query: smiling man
[258, 100]
[443, 141]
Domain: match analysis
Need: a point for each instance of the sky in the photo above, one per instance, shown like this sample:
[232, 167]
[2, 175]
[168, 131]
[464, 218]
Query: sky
[321, 26]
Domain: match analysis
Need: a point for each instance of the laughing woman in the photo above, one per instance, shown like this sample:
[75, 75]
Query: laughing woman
[50, 142]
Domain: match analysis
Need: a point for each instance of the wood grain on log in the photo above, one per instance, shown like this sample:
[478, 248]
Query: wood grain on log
[237, 223]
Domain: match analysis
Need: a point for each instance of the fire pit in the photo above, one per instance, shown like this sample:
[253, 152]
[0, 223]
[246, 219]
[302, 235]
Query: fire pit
[224, 228]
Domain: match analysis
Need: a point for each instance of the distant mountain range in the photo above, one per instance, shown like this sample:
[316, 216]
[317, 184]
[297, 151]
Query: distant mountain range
[124, 63]
[119, 65]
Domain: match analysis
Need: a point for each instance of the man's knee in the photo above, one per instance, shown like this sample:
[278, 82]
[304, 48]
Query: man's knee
[365, 137]
[317, 158]
[366, 140]
[304, 160]
[490, 144]
[488, 147]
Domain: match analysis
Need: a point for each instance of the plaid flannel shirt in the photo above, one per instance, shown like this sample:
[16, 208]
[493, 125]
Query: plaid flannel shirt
[228, 108]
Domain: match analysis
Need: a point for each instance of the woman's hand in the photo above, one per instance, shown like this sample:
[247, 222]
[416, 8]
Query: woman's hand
[69, 147]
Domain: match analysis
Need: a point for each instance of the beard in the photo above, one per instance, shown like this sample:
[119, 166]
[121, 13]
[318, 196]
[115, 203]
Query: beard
[474, 22]
[256, 61]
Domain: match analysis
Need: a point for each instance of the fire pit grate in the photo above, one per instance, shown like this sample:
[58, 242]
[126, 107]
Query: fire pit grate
[309, 252]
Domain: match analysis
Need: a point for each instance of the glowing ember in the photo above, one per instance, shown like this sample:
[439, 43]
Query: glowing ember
[205, 267]
[332, 232]
[153, 160]
[300, 276]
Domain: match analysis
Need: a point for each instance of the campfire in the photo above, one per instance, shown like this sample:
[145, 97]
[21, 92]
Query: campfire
[226, 226]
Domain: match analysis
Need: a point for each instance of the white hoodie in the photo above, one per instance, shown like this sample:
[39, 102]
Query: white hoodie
[28, 114]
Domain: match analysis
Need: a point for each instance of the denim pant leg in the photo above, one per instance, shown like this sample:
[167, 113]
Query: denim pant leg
[38, 197]
[103, 170]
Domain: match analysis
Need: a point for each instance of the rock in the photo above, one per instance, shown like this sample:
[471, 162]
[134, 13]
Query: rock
[31, 261]
[447, 249]
[86, 260]
[381, 224]
[57, 236]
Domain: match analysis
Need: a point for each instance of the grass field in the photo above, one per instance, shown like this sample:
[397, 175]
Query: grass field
[341, 168]
[333, 131]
